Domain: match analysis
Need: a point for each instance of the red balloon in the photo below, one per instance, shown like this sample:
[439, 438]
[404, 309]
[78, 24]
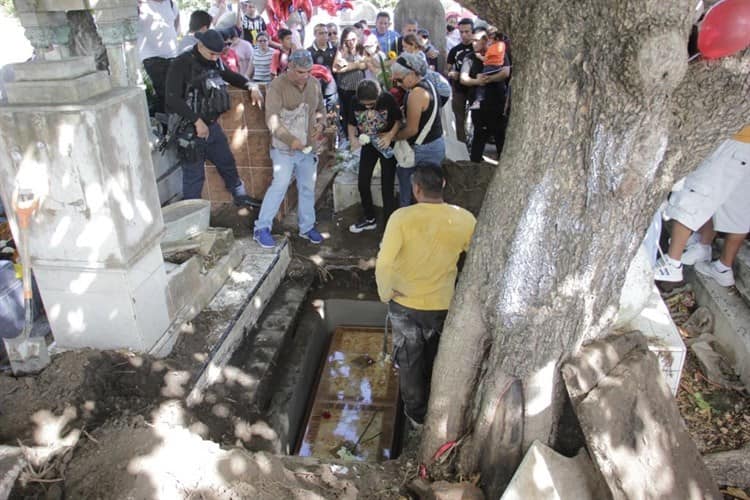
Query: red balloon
[725, 29]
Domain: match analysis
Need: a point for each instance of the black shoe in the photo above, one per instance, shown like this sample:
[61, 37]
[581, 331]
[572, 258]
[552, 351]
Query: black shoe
[363, 225]
[244, 200]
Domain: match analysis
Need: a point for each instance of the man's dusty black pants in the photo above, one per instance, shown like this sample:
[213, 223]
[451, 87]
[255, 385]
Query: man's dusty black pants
[416, 335]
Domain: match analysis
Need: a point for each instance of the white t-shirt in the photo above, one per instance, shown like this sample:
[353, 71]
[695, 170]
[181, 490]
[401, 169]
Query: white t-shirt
[156, 33]
[217, 12]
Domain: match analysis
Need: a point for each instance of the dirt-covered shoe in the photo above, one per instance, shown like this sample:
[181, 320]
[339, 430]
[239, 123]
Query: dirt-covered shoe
[695, 253]
[666, 270]
[711, 269]
[363, 225]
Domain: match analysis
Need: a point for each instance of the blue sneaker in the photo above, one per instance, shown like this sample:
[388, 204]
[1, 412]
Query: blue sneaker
[264, 238]
[313, 236]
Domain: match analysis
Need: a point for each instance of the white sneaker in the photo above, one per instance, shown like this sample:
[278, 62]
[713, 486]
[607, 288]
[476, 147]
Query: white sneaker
[696, 253]
[666, 271]
[724, 278]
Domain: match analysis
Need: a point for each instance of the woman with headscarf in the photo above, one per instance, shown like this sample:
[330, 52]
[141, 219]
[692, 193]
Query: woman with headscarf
[423, 129]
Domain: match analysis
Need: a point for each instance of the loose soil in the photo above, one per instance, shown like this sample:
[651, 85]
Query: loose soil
[112, 424]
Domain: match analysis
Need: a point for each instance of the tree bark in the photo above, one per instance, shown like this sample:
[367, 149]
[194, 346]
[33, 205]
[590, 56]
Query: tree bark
[606, 114]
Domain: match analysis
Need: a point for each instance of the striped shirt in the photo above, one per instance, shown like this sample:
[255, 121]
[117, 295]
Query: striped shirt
[262, 65]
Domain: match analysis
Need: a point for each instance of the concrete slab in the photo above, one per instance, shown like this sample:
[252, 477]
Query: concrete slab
[663, 338]
[346, 192]
[168, 174]
[634, 431]
[66, 69]
[544, 474]
[198, 297]
[248, 291]
[186, 276]
[130, 303]
[74, 90]
[731, 320]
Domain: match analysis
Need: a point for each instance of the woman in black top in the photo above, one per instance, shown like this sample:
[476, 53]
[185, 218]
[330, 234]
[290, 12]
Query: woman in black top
[373, 122]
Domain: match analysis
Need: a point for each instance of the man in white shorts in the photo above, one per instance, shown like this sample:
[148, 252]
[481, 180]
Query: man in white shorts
[716, 197]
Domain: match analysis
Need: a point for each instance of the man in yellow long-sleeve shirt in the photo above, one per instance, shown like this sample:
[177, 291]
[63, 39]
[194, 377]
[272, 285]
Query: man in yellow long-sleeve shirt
[715, 198]
[416, 274]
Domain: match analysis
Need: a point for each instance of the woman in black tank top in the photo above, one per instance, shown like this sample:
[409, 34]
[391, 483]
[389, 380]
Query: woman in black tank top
[423, 129]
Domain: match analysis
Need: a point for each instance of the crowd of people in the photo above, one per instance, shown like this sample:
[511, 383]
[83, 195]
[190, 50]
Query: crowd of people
[384, 90]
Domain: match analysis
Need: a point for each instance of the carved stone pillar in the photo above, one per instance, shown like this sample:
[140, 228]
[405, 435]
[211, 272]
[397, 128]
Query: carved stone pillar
[119, 37]
[117, 22]
[48, 32]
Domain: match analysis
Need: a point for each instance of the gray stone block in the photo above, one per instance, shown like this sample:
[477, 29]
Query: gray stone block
[216, 241]
[731, 320]
[64, 69]
[170, 186]
[544, 474]
[74, 90]
[182, 284]
[63, 5]
[636, 436]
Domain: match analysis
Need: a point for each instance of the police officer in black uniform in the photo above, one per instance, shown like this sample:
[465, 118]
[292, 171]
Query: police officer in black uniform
[196, 91]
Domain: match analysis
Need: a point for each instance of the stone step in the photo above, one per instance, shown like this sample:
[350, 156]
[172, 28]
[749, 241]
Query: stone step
[742, 271]
[221, 326]
[731, 320]
[264, 346]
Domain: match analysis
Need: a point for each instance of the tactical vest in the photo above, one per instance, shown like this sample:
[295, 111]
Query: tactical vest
[208, 95]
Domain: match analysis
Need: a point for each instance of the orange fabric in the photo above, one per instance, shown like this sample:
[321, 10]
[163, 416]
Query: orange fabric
[495, 55]
[743, 135]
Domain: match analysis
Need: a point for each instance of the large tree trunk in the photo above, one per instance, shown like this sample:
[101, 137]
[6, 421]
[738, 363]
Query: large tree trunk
[606, 114]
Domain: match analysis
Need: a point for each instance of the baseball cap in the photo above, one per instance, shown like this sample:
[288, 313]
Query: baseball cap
[212, 39]
[423, 32]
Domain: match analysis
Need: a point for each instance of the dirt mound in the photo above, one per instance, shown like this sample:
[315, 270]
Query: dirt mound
[97, 384]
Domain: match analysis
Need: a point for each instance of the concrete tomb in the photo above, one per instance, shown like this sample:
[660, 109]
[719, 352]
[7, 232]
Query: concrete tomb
[83, 147]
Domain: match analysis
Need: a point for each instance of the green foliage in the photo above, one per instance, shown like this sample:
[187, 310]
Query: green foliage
[192, 5]
[384, 4]
[700, 402]
[7, 5]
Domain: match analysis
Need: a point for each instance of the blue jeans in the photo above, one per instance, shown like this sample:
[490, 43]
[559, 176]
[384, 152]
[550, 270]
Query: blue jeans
[215, 149]
[304, 168]
[404, 185]
[432, 152]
